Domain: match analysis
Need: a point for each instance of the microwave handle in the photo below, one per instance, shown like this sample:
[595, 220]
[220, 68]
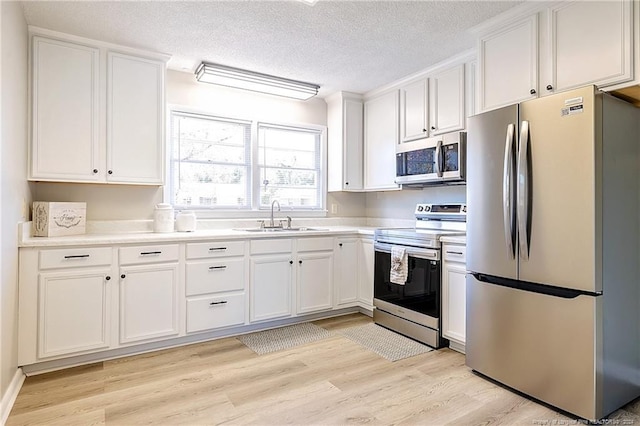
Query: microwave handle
[439, 159]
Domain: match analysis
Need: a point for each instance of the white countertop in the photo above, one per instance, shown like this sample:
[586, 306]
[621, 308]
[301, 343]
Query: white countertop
[176, 237]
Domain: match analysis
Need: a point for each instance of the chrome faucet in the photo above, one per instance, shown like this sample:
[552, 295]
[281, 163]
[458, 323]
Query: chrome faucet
[271, 225]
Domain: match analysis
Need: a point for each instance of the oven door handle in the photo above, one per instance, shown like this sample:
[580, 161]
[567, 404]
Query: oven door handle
[428, 254]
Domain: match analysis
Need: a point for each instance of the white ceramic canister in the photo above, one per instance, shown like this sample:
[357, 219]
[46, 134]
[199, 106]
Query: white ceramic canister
[163, 218]
[186, 221]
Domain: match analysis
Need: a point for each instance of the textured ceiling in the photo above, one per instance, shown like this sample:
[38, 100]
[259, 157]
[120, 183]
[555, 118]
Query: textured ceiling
[342, 45]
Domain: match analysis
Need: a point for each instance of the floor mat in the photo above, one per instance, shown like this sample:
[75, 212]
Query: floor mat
[386, 343]
[264, 342]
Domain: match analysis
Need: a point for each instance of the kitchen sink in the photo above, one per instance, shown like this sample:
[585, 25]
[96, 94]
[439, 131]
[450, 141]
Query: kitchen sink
[300, 229]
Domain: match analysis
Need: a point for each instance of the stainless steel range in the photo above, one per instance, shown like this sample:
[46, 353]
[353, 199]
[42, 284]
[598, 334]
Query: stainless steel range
[413, 308]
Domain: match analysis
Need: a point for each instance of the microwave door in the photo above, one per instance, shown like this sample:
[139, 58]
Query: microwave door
[416, 165]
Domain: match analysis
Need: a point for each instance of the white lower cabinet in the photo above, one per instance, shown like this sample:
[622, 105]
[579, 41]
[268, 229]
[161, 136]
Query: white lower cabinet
[215, 285]
[149, 298]
[148, 302]
[80, 301]
[270, 288]
[454, 295]
[366, 263]
[271, 279]
[74, 312]
[346, 272]
[314, 278]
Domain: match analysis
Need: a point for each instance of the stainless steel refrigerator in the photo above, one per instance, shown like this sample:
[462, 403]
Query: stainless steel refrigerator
[553, 296]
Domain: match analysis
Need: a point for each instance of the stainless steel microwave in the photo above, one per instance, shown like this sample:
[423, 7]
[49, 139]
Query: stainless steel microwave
[436, 160]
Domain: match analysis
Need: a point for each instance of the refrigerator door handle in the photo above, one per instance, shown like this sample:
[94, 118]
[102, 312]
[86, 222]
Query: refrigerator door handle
[439, 160]
[523, 191]
[507, 192]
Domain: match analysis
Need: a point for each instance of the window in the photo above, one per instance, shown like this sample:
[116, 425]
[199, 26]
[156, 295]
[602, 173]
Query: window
[223, 164]
[289, 166]
[210, 162]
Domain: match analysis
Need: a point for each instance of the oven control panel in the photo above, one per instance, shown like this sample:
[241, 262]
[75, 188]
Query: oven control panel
[451, 211]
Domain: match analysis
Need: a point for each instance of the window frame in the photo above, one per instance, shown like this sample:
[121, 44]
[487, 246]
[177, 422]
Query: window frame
[321, 190]
[254, 210]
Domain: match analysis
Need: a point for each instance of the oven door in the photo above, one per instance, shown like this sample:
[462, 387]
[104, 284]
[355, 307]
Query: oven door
[421, 292]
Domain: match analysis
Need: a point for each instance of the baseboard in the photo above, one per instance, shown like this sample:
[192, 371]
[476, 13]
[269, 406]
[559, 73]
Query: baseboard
[365, 310]
[9, 397]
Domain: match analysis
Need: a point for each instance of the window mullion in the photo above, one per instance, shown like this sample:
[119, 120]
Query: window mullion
[255, 167]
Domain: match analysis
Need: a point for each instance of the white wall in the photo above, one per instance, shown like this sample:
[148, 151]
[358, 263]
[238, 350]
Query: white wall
[400, 204]
[14, 189]
[121, 202]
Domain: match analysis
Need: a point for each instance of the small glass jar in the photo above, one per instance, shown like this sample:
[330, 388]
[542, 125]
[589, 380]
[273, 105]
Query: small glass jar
[163, 218]
[186, 221]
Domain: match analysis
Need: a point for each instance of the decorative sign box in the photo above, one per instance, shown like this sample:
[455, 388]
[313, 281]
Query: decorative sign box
[55, 219]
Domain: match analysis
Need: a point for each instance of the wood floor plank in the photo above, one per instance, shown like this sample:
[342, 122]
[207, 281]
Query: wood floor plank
[333, 381]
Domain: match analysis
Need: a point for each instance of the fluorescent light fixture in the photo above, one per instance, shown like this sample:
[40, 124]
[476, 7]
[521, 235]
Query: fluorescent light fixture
[257, 82]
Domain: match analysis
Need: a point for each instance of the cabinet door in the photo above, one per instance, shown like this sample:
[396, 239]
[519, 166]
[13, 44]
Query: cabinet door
[148, 302]
[270, 289]
[352, 161]
[65, 142]
[453, 301]
[314, 281]
[135, 108]
[366, 256]
[446, 100]
[591, 43]
[74, 312]
[347, 272]
[380, 140]
[508, 62]
[413, 111]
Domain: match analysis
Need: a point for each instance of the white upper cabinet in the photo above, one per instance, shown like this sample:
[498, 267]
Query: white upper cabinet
[97, 111]
[508, 60]
[345, 127]
[65, 98]
[135, 108]
[414, 111]
[591, 43]
[554, 48]
[447, 100]
[380, 141]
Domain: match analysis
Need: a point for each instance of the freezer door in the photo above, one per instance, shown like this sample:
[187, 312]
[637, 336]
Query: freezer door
[556, 191]
[491, 234]
[543, 346]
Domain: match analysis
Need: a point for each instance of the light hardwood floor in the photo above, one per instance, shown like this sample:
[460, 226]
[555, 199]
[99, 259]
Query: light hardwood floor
[329, 382]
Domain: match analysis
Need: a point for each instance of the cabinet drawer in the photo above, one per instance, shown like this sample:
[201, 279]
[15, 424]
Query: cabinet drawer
[215, 249]
[204, 313]
[454, 253]
[215, 276]
[75, 257]
[314, 244]
[148, 254]
[270, 246]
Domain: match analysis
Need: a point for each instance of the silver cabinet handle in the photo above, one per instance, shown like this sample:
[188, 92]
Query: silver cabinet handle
[217, 248]
[523, 191]
[211, 268]
[454, 252]
[150, 253]
[507, 192]
[77, 256]
[222, 302]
